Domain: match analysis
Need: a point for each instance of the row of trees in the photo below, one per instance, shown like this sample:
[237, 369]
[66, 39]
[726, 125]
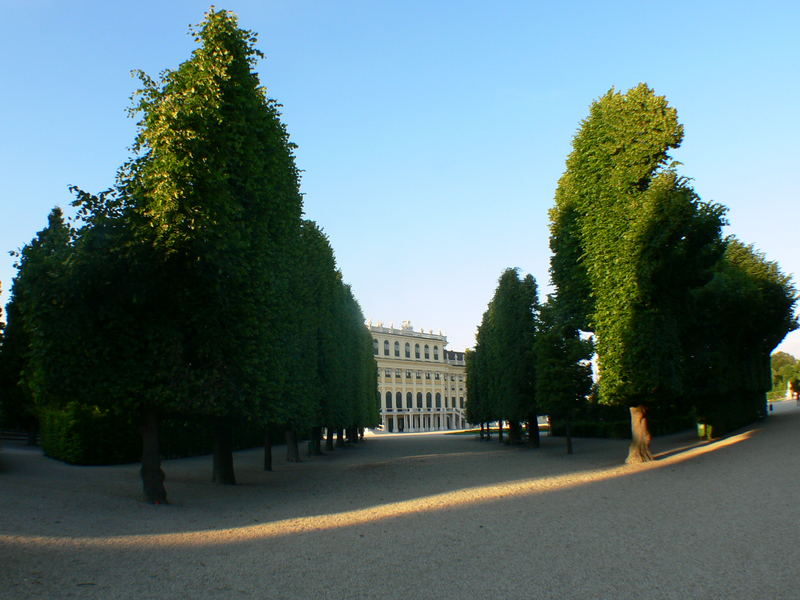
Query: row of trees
[526, 362]
[683, 319]
[193, 286]
[682, 316]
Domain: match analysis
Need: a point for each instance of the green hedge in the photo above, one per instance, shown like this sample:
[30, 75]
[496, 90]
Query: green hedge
[83, 435]
[619, 429]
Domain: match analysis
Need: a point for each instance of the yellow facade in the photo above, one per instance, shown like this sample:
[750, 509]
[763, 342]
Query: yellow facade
[422, 385]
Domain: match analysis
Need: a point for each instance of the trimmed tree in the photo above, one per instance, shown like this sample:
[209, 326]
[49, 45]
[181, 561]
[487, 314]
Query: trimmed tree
[737, 320]
[502, 369]
[632, 235]
[215, 193]
[564, 374]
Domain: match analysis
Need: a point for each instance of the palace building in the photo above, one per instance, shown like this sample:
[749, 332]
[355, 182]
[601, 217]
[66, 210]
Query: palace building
[422, 385]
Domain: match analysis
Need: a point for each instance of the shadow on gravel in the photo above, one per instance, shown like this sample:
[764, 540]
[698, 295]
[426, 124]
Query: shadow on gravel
[387, 477]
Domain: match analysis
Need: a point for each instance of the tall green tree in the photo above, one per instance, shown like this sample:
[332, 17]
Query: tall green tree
[40, 353]
[563, 370]
[737, 320]
[631, 235]
[503, 364]
[214, 191]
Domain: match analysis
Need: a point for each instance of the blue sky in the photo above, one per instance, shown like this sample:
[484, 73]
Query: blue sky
[431, 134]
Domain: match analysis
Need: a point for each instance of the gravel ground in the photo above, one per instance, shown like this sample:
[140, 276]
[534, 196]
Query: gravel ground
[418, 516]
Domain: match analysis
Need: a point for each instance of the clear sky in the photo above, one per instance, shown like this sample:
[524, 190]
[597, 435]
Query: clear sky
[431, 134]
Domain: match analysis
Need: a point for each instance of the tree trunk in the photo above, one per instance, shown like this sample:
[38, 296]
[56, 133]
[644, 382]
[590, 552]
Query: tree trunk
[568, 433]
[514, 432]
[500, 430]
[222, 472]
[267, 450]
[639, 450]
[292, 449]
[329, 439]
[340, 438]
[533, 431]
[352, 435]
[152, 475]
[481, 437]
[316, 444]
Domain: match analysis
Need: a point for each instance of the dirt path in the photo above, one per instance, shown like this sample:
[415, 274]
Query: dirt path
[425, 516]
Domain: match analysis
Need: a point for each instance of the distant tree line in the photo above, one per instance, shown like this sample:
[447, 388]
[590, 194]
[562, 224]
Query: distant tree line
[193, 287]
[785, 375]
[683, 319]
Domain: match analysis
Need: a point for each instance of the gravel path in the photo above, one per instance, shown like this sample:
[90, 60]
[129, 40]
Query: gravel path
[418, 516]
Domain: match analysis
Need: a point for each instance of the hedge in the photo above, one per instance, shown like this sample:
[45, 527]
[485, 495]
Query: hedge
[83, 435]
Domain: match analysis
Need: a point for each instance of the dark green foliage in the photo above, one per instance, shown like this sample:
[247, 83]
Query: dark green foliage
[633, 237]
[89, 435]
[41, 350]
[564, 373]
[501, 372]
[785, 369]
[621, 429]
[738, 319]
[215, 192]
[191, 292]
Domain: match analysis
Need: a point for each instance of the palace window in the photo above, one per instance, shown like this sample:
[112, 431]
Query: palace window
[409, 400]
[389, 400]
[436, 376]
[438, 400]
[386, 347]
[397, 349]
[427, 352]
[416, 350]
[461, 401]
[408, 374]
[419, 374]
[408, 350]
[387, 372]
[427, 374]
[436, 353]
[374, 346]
[428, 400]
[419, 399]
[398, 373]
[398, 400]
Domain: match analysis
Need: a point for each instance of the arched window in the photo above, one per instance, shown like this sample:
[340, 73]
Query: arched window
[389, 400]
[397, 349]
[408, 350]
[419, 399]
[416, 350]
[386, 347]
[427, 352]
[446, 402]
[374, 346]
[409, 400]
[398, 400]
[438, 400]
[461, 401]
[429, 400]
[436, 353]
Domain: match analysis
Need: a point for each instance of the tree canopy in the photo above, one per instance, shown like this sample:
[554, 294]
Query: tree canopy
[193, 287]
